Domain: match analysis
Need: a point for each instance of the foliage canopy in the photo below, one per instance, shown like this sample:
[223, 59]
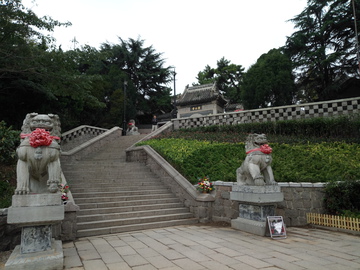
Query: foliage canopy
[323, 50]
[82, 86]
[269, 82]
[227, 77]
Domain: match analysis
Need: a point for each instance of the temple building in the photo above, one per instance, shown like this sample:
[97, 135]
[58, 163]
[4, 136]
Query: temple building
[200, 100]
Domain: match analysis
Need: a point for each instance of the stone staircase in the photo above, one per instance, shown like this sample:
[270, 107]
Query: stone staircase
[118, 196]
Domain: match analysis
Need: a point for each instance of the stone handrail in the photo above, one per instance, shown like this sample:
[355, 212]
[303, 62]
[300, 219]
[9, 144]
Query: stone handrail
[91, 145]
[168, 126]
[79, 135]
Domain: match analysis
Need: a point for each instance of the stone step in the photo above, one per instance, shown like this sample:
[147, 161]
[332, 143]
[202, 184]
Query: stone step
[129, 208]
[117, 194]
[124, 198]
[112, 181]
[131, 221]
[98, 178]
[96, 205]
[132, 214]
[106, 161]
[89, 164]
[136, 173]
[96, 183]
[115, 188]
[135, 227]
[86, 170]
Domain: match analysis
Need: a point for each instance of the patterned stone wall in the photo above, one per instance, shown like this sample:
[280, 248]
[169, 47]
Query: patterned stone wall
[292, 112]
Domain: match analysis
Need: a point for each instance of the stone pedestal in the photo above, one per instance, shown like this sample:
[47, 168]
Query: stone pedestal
[36, 213]
[256, 203]
[52, 259]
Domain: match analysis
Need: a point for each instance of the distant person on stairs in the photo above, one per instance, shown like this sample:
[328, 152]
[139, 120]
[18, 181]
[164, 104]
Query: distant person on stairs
[154, 123]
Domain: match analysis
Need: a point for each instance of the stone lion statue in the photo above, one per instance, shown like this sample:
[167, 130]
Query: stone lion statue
[38, 168]
[132, 129]
[256, 169]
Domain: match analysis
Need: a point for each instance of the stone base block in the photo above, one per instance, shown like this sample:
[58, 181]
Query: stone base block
[250, 226]
[35, 209]
[254, 194]
[46, 260]
[27, 216]
[47, 199]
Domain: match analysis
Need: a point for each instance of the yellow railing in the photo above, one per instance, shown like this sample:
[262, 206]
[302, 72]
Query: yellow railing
[334, 221]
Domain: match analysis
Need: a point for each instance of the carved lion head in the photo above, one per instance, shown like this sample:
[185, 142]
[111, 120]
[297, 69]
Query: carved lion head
[49, 122]
[255, 141]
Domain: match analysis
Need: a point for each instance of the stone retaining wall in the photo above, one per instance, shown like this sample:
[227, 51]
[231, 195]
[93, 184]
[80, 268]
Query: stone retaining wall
[10, 234]
[299, 199]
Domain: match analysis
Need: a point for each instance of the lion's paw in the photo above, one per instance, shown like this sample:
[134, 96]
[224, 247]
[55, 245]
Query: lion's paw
[259, 182]
[21, 191]
[53, 186]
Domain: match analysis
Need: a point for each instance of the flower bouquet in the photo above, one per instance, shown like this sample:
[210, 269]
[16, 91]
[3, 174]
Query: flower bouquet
[64, 189]
[204, 185]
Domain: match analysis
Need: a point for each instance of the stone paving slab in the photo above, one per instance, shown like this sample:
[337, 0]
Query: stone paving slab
[201, 247]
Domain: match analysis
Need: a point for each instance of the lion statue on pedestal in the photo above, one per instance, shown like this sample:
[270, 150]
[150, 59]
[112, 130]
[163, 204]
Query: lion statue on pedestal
[38, 168]
[256, 169]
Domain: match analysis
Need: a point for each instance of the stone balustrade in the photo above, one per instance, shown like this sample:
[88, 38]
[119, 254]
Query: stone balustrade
[79, 135]
[292, 112]
[81, 150]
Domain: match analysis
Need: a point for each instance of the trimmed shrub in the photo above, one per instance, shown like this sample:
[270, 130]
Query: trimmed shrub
[320, 162]
[342, 198]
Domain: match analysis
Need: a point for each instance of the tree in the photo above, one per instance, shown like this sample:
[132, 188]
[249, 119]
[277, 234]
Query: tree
[323, 49]
[269, 82]
[21, 47]
[34, 75]
[227, 77]
[147, 78]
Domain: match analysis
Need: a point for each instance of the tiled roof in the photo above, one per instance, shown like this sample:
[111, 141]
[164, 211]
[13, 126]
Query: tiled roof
[200, 94]
[234, 106]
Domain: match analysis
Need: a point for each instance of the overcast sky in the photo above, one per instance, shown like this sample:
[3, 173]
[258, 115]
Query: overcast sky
[190, 33]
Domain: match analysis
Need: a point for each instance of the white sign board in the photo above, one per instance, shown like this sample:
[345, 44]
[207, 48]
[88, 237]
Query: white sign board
[276, 227]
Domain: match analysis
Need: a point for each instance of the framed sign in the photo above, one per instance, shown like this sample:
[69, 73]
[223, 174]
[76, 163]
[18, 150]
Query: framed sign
[276, 227]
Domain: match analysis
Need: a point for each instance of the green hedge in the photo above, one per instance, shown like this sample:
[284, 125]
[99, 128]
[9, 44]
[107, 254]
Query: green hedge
[320, 162]
[342, 198]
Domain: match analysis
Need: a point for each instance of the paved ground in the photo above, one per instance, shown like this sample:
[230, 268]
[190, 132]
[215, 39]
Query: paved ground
[213, 247]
